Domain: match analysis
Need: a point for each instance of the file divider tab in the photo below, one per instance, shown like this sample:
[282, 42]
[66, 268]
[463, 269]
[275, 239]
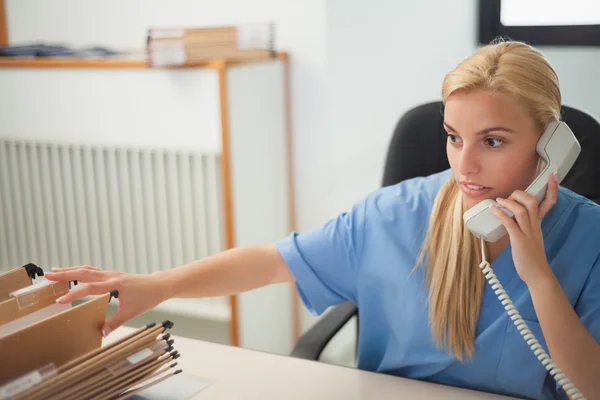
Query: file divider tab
[28, 296]
[32, 300]
[13, 280]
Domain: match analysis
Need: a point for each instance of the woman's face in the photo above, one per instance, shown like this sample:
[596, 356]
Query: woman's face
[491, 145]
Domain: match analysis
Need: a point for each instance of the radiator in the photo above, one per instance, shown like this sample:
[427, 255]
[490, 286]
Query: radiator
[127, 209]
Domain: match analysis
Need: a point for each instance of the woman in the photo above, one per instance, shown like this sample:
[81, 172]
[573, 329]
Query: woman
[404, 256]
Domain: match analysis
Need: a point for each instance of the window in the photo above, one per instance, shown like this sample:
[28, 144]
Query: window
[541, 22]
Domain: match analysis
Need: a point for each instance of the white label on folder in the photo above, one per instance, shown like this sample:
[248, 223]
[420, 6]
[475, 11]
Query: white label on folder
[166, 33]
[167, 53]
[254, 36]
[31, 288]
[20, 385]
[139, 356]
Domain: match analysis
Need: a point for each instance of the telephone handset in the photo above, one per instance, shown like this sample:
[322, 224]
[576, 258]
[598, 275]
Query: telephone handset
[559, 149]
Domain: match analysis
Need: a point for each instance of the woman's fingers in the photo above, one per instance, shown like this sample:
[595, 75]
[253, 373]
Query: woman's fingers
[551, 195]
[80, 274]
[529, 202]
[137, 293]
[89, 289]
[520, 213]
[118, 319]
[56, 269]
[511, 226]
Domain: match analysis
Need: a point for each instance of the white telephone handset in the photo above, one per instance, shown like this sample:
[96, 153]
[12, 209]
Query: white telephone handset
[559, 149]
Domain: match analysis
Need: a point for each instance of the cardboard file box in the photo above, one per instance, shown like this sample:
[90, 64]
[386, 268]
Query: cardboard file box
[54, 351]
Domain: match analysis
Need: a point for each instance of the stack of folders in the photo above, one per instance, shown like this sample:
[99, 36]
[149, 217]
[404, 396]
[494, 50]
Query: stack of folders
[192, 46]
[54, 351]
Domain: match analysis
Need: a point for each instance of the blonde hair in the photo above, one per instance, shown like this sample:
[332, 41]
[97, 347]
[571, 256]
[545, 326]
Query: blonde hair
[453, 278]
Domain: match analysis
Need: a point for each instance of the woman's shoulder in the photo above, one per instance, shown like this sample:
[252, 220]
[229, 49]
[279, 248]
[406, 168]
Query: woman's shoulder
[417, 191]
[572, 227]
[402, 206]
[573, 218]
[569, 202]
[577, 199]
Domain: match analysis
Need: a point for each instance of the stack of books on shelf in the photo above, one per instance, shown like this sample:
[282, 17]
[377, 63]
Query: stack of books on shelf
[54, 351]
[192, 46]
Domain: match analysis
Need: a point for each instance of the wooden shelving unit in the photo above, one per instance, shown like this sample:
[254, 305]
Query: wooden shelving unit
[232, 81]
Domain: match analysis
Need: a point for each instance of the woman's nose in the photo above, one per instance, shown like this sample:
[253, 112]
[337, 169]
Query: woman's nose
[469, 161]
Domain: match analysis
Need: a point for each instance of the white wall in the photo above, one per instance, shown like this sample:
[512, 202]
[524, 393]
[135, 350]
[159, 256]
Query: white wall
[131, 107]
[122, 24]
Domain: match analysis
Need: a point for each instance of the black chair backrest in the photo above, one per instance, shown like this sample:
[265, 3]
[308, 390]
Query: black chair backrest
[418, 148]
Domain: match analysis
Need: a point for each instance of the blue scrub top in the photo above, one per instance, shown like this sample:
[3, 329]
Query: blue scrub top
[366, 256]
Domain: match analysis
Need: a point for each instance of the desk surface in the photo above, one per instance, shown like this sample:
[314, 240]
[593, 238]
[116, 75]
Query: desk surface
[237, 373]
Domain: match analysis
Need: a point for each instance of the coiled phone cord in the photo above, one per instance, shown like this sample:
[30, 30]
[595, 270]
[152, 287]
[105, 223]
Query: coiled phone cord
[532, 342]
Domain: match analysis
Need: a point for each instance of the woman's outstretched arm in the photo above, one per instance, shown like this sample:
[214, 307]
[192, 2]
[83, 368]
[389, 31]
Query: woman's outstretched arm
[230, 272]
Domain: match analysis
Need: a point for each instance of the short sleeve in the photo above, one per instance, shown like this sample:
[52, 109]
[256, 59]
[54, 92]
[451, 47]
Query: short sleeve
[324, 260]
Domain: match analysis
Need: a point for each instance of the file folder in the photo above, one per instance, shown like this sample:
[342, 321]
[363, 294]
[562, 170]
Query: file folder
[57, 340]
[54, 351]
[119, 370]
[17, 278]
[31, 304]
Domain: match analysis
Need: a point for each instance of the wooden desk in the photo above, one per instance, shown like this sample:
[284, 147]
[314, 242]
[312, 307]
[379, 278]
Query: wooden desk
[238, 373]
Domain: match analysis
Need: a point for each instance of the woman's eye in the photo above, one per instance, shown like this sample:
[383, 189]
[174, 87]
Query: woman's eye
[494, 142]
[453, 138]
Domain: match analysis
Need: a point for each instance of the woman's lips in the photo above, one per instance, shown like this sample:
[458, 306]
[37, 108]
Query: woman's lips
[472, 192]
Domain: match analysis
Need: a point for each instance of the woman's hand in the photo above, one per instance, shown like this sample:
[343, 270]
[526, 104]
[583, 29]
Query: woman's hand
[137, 293]
[525, 231]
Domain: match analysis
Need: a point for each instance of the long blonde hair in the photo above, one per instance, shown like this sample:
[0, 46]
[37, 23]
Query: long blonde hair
[453, 277]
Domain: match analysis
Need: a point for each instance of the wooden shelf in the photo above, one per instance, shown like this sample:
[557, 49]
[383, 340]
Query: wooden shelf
[69, 62]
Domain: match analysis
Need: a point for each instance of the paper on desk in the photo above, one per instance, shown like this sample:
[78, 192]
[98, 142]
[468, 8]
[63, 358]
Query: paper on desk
[178, 387]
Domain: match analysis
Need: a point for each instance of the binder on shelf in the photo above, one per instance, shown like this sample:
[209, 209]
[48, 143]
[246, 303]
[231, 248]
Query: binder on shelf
[187, 46]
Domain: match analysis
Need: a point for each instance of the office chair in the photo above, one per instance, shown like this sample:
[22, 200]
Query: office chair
[418, 148]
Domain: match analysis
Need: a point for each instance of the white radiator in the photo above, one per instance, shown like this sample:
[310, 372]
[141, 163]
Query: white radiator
[132, 210]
